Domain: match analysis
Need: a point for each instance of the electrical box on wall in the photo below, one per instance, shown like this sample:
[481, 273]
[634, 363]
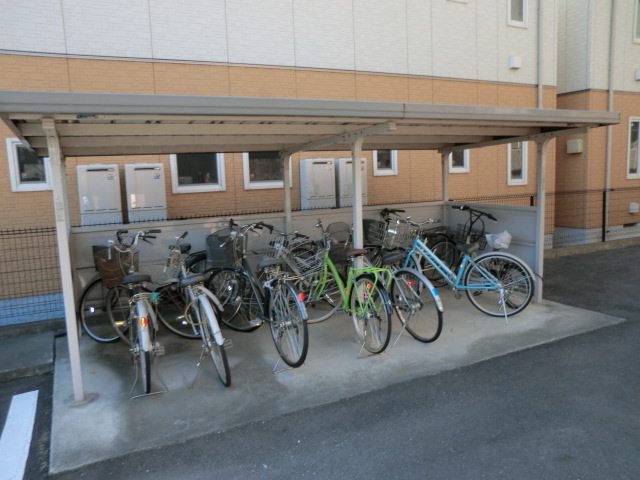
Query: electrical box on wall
[344, 181]
[99, 194]
[146, 192]
[317, 183]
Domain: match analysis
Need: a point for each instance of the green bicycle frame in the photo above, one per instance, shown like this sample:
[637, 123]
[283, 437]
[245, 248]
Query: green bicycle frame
[352, 273]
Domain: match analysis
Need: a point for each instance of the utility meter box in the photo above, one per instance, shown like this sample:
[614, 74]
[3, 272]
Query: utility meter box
[146, 192]
[99, 194]
[344, 181]
[317, 183]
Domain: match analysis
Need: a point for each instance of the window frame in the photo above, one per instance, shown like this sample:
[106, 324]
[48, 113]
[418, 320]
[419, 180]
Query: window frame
[260, 185]
[14, 170]
[381, 172]
[636, 175]
[517, 23]
[221, 186]
[465, 161]
[525, 162]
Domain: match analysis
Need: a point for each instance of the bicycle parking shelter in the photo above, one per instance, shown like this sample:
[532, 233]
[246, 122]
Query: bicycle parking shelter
[62, 124]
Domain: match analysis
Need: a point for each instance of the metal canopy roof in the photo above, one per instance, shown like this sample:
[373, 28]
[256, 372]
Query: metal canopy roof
[93, 124]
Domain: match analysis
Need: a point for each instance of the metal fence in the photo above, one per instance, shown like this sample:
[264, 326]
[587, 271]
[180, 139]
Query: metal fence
[30, 274]
[31, 288]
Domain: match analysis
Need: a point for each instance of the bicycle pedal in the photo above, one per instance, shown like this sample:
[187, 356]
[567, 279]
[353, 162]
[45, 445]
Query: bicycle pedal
[227, 344]
[256, 322]
[158, 348]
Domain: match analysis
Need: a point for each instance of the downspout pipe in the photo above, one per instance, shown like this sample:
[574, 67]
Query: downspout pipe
[607, 170]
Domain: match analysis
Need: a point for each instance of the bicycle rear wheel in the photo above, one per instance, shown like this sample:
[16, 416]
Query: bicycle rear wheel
[170, 303]
[239, 298]
[288, 322]
[505, 284]
[145, 370]
[217, 353]
[447, 252]
[417, 305]
[94, 318]
[369, 307]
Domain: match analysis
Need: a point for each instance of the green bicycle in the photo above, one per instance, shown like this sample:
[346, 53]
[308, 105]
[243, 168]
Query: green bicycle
[329, 280]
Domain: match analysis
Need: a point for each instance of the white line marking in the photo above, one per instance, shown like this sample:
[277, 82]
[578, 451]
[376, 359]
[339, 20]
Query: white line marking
[16, 436]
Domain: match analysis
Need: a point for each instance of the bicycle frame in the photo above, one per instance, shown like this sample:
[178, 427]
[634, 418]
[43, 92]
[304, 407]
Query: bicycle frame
[352, 273]
[419, 249]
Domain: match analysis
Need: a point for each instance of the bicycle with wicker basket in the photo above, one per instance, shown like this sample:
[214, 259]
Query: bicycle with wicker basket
[249, 299]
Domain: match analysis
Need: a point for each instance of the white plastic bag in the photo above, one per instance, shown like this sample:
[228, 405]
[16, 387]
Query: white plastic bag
[499, 240]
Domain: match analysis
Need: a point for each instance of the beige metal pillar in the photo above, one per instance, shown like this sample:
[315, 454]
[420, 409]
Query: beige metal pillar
[356, 153]
[286, 183]
[538, 268]
[63, 229]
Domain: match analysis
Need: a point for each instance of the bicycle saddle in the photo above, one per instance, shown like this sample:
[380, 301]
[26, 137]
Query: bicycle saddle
[136, 278]
[268, 262]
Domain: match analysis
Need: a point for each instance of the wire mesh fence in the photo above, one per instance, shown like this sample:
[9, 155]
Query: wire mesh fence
[30, 271]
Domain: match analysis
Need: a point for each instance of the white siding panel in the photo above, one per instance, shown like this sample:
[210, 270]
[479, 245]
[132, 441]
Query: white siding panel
[455, 46]
[381, 36]
[520, 42]
[117, 28]
[600, 45]
[575, 65]
[549, 42]
[23, 31]
[324, 34]
[487, 25]
[261, 33]
[419, 37]
[629, 58]
[189, 30]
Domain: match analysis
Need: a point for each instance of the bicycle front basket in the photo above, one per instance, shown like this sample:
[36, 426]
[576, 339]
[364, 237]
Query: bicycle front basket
[221, 251]
[113, 265]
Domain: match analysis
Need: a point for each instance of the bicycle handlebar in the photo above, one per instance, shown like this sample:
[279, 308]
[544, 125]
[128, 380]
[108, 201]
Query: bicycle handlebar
[480, 213]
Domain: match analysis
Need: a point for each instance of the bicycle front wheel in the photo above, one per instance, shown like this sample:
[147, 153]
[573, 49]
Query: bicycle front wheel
[94, 318]
[369, 308]
[216, 352]
[417, 304]
[170, 303]
[239, 299]
[288, 321]
[504, 284]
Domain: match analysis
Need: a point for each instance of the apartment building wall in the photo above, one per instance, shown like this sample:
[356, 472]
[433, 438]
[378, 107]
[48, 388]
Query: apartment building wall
[434, 51]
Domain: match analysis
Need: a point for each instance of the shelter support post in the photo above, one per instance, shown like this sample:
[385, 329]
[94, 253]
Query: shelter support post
[285, 159]
[538, 268]
[63, 229]
[445, 184]
[356, 153]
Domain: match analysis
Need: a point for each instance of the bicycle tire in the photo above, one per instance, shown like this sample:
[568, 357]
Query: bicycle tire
[323, 305]
[288, 324]
[446, 250]
[515, 280]
[417, 305]
[93, 315]
[119, 312]
[170, 304]
[217, 353]
[371, 313]
[239, 298]
[145, 370]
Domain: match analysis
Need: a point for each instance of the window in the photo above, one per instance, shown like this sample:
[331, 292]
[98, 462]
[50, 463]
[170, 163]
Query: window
[385, 162]
[636, 28]
[517, 13]
[28, 173]
[459, 161]
[517, 163]
[262, 170]
[633, 157]
[197, 172]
